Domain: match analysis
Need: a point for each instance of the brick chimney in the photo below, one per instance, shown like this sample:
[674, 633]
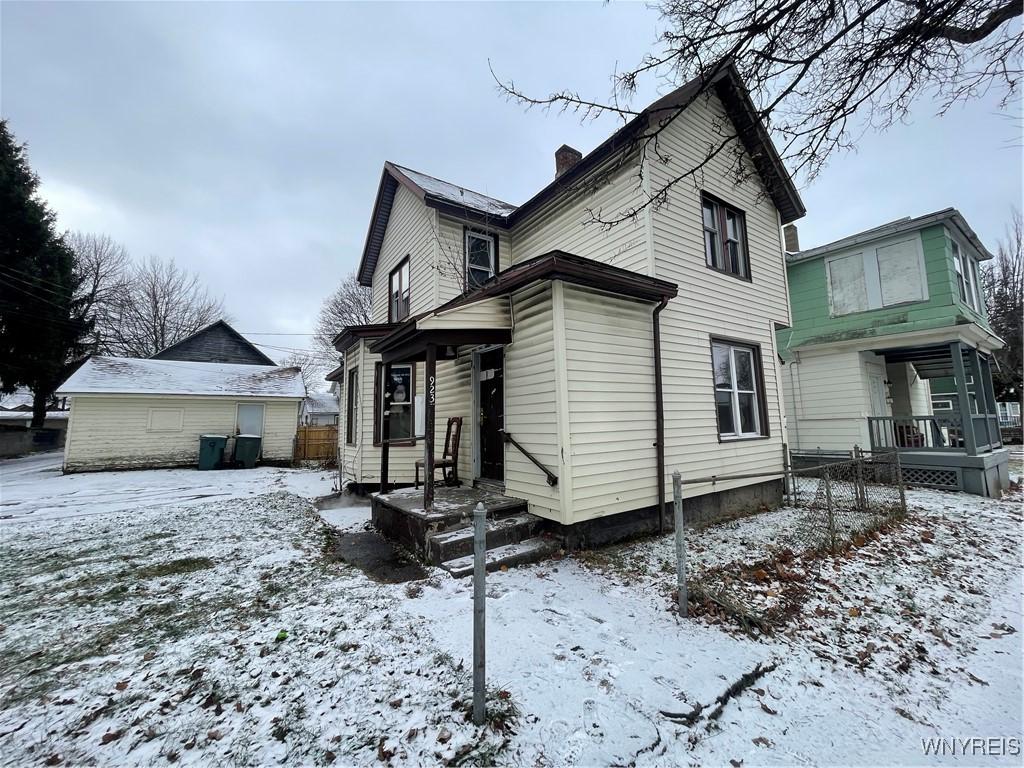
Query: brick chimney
[565, 158]
[791, 238]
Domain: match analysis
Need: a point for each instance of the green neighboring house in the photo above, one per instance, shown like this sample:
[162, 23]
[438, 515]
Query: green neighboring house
[881, 320]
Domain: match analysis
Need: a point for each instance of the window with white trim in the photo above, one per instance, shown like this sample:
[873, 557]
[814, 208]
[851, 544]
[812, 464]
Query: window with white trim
[481, 258]
[966, 277]
[738, 392]
[399, 292]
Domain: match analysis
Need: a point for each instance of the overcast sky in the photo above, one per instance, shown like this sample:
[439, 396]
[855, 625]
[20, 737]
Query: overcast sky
[246, 140]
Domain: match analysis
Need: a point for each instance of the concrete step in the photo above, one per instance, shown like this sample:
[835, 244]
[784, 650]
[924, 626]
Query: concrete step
[501, 530]
[510, 555]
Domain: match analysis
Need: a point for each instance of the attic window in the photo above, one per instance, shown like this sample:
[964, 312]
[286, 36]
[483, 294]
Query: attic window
[725, 237]
[481, 258]
[399, 293]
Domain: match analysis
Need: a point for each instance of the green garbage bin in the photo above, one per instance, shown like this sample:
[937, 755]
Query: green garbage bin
[247, 450]
[211, 450]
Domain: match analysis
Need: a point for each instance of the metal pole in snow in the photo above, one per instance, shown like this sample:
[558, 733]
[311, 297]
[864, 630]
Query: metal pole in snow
[677, 510]
[479, 572]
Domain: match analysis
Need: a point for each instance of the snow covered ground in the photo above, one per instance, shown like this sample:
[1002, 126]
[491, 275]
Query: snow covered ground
[33, 488]
[138, 629]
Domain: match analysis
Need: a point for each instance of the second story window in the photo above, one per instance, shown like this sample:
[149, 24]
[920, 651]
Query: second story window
[481, 258]
[725, 237]
[885, 275]
[398, 286]
[966, 279]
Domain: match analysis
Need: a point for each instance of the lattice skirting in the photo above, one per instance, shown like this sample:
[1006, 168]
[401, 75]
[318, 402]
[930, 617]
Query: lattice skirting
[933, 477]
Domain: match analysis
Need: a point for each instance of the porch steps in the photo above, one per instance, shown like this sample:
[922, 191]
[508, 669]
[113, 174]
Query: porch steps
[509, 555]
[502, 529]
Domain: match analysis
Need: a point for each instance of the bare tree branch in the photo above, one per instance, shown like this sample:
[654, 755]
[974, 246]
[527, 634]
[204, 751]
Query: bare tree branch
[820, 73]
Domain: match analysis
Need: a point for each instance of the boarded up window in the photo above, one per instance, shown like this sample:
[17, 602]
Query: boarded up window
[847, 285]
[899, 272]
[165, 419]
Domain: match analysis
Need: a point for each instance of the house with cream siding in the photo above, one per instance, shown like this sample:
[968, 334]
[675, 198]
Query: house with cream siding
[585, 362]
[129, 413]
[890, 349]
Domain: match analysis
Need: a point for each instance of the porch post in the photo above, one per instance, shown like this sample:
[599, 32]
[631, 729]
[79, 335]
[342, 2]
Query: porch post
[385, 425]
[967, 423]
[980, 396]
[990, 395]
[428, 427]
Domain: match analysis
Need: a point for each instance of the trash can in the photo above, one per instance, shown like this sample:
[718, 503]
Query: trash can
[247, 450]
[211, 450]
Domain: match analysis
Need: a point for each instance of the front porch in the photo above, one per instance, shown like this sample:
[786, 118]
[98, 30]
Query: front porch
[957, 446]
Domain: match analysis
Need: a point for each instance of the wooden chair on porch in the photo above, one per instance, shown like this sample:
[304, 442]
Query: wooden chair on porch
[449, 461]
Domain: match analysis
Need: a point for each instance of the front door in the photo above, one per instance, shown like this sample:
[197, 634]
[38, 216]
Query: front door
[491, 397]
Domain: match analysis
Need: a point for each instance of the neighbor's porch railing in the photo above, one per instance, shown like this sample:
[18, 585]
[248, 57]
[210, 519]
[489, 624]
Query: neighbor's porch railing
[932, 433]
[917, 433]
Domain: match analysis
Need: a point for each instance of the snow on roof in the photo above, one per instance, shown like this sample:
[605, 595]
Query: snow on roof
[20, 396]
[321, 402]
[27, 415]
[456, 194]
[132, 376]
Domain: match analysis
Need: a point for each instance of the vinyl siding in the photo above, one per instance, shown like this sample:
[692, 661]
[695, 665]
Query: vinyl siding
[714, 304]
[828, 401]
[532, 415]
[409, 233]
[487, 313]
[567, 226]
[609, 352]
[112, 431]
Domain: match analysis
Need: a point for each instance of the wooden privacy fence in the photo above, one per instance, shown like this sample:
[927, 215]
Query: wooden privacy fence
[317, 444]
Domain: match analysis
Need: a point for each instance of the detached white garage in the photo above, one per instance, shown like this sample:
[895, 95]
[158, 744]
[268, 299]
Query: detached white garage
[129, 413]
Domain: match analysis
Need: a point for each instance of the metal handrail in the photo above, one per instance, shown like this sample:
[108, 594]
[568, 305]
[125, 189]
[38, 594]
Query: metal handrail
[551, 476]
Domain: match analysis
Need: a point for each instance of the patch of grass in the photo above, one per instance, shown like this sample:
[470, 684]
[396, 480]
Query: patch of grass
[116, 593]
[158, 535]
[175, 567]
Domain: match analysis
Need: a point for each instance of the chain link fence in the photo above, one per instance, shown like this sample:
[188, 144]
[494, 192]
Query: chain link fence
[840, 500]
[829, 505]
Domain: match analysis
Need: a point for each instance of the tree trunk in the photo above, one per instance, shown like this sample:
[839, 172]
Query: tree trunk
[39, 401]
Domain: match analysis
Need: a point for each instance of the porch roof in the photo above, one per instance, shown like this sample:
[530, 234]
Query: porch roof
[350, 334]
[934, 361]
[452, 324]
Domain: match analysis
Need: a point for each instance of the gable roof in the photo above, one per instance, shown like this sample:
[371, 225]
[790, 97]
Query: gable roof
[950, 216]
[474, 206]
[135, 376]
[249, 349]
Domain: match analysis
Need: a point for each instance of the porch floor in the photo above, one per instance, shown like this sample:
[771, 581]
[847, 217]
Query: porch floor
[450, 504]
[444, 531]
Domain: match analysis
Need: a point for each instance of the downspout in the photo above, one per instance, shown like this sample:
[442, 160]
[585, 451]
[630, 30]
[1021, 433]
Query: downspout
[659, 414]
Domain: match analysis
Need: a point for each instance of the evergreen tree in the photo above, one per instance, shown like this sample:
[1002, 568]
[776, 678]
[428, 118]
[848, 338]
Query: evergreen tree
[41, 322]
